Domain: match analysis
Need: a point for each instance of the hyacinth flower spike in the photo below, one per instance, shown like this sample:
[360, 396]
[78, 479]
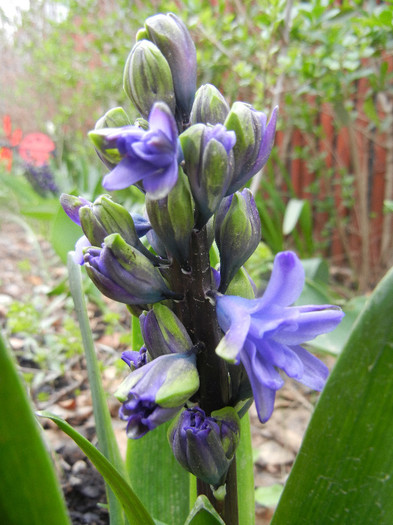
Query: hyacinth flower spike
[150, 157]
[266, 334]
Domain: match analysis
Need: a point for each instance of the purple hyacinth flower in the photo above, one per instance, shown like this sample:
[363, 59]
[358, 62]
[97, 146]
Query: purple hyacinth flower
[135, 359]
[255, 142]
[149, 156]
[80, 245]
[221, 135]
[143, 414]
[123, 274]
[153, 393]
[205, 445]
[266, 334]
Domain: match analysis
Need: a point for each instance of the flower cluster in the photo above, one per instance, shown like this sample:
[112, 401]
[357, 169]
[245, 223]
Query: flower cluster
[41, 178]
[209, 346]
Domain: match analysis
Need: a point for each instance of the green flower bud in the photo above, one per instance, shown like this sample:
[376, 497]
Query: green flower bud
[254, 141]
[155, 392]
[114, 118]
[238, 232]
[242, 285]
[209, 107]
[172, 219]
[135, 271]
[163, 332]
[172, 380]
[104, 217]
[148, 78]
[208, 161]
[91, 226]
[205, 445]
[172, 38]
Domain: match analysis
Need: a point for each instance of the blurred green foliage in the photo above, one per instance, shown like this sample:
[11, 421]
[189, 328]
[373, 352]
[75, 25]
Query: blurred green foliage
[300, 54]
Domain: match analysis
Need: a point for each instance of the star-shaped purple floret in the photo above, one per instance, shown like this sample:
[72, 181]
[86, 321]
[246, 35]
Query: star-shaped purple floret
[150, 157]
[266, 334]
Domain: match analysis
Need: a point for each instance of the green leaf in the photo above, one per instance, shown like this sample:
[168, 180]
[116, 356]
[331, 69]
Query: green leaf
[334, 342]
[64, 234]
[157, 478]
[203, 513]
[268, 496]
[30, 493]
[105, 434]
[133, 508]
[344, 470]
[292, 213]
[45, 211]
[245, 473]
[316, 269]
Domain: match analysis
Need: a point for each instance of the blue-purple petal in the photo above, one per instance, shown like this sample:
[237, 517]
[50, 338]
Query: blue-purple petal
[82, 243]
[286, 282]
[311, 322]
[162, 120]
[126, 173]
[267, 142]
[235, 322]
[159, 183]
[315, 371]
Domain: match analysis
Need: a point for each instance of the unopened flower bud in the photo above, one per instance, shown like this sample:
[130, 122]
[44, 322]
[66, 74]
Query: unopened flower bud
[242, 285]
[163, 332]
[155, 392]
[114, 118]
[172, 38]
[208, 161]
[205, 446]
[172, 218]
[103, 217]
[71, 205]
[116, 219]
[122, 273]
[254, 141]
[148, 78]
[238, 232]
[209, 107]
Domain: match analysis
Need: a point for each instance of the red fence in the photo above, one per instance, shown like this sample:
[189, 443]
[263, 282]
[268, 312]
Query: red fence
[359, 157]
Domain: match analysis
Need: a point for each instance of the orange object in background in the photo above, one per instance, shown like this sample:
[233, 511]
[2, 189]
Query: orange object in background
[35, 148]
[13, 138]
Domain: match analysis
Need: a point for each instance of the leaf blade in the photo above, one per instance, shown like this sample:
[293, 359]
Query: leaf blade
[30, 493]
[345, 465]
[133, 508]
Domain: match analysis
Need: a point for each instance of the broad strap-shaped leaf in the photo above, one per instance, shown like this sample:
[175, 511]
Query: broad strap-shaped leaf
[105, 434]
[157, 478]
[30, 493]
[245, 474]
[203, 513]
[134, 510]
[344, 470]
